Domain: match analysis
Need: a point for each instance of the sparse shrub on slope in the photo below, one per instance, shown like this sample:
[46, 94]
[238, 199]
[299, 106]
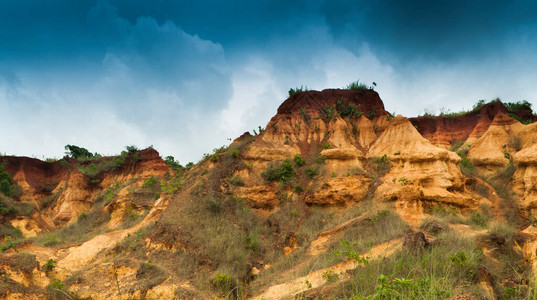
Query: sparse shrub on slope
[297, 89]
[449, 267]
[356, 86]
[79, 152]
[283, 171]
[6, 181]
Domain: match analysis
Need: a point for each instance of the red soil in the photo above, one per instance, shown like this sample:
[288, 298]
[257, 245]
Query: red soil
[448, 131]
[368, 100]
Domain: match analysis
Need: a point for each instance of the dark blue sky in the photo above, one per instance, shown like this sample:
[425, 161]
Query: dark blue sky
[185, 76]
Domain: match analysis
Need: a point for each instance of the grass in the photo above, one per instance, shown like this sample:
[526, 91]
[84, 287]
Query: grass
[360, 237]
[447, 268]
[94, 221]
[87, 226]
[356, 86]
[293, 91]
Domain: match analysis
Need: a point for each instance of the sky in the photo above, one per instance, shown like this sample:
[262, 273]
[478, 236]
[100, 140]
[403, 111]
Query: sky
[189, 76]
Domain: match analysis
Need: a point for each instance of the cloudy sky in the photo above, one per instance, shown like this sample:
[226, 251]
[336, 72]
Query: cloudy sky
[185, 76]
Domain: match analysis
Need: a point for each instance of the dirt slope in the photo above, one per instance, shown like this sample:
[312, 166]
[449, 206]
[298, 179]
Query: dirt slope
[332, 176]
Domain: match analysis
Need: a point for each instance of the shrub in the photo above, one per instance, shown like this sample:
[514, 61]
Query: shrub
[330, 277]
[320, 159]
[223, 282]
[312, 172]
[297, 89]
[234, 153]
[478, 105]
[520, 119]
[356, 86]
[50, 265]
[172, 163]
[56, 284]
[151, 181]
[299, 160]
[514, 106]
[478, 219]
[304, 115]
[325, 145]
[283, 172]
[298, 189]
[236, 181]
[79, 152]
[382, 159]
[348, 109]
[5, 182]
[251, 242]
[466, 164]
[131, 149]
[328, 113]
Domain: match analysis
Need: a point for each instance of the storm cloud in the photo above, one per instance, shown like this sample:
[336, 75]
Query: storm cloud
[188, 76]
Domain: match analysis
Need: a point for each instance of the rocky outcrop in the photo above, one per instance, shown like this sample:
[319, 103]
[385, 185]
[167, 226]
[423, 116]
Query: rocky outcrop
[63, 190]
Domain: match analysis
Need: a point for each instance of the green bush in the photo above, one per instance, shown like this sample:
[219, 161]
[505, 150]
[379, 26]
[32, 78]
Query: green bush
[283, 172]
[478, 105]
[328, 113]
[236, 181]
[50, 265]
[299, 160]
[223, 282]
[325, 145]
[514, 106]
[79, 152]
[7, 211]
[382, 159]
[151, 181]
[478, 219]
[312, 171]
[350, 110]
[56, 284]
[330, 277]
[5, 182]
[234, 153]
[172, 163]
[251, 242]
[305, 115]
[298, 189]
[297, 89]
[356, 86]
[131, 149]
[320, 159]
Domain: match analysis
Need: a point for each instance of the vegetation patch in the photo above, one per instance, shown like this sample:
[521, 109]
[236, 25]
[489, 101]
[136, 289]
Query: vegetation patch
[283, 171]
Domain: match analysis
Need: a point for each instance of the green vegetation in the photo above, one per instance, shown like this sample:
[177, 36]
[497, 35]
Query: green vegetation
[6, 181]
[297, 90]
[357, 86]
[283, 171]
[305, 115]
[79, 152]
[312, 171]
[299, 160]
[234, 153]
[514, 106]
[328, 113]
[345, 109]
[50, 265]
[149, 182]
[437, 272]
[172, 163]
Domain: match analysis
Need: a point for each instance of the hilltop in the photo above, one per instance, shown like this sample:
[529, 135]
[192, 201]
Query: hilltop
[334, 198]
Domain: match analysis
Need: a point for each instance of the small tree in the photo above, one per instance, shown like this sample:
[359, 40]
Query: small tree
[78, 152]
